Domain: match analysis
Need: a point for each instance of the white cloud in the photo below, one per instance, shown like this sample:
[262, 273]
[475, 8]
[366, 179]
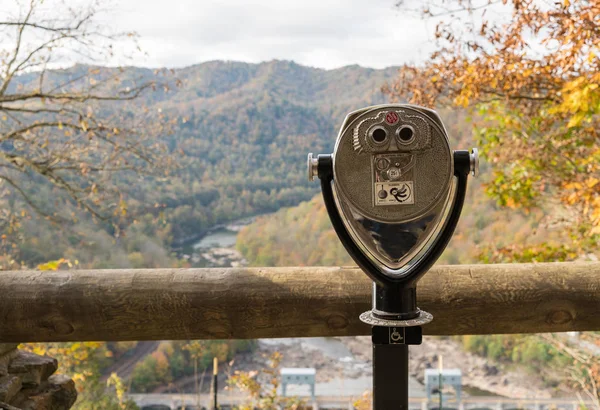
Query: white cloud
[320, 33]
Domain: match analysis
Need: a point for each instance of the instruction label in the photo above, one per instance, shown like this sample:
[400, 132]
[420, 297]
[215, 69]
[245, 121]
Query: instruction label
[394, 193]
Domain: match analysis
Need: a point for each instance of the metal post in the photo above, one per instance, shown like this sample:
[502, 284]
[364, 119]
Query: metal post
[390, 377]
[196, 381]
[440, 384]
[390, 365]
[215, 372]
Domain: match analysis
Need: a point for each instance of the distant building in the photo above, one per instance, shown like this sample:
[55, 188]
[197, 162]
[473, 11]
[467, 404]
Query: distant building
[291, 375]
[450, 378]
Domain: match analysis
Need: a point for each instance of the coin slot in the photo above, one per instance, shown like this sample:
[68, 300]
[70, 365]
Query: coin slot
[382, 164]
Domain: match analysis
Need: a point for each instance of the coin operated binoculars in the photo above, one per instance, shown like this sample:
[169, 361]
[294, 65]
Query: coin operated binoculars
[394, 191]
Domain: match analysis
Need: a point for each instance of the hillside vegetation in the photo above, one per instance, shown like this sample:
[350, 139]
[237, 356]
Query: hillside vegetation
[239, 134]
[303, 235]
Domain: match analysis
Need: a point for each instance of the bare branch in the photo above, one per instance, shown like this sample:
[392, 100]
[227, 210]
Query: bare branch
[27, 199]
[43, 27]
[61, 127]
[121, 96]
[8, 75]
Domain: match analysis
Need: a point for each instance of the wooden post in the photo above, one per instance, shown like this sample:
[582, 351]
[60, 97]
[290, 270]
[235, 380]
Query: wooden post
[215, 382]
[161, 304]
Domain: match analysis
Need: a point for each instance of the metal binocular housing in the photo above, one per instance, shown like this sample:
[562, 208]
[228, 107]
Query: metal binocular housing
[394, 191]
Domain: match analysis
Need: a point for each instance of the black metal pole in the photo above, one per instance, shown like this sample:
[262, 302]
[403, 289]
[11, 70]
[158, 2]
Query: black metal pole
[390, 377]
[390, 365]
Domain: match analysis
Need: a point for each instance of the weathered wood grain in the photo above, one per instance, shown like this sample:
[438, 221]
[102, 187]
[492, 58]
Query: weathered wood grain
[287, 302]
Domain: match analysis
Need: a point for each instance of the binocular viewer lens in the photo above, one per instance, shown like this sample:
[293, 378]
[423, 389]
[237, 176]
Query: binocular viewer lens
[379, 135]
[406, 134]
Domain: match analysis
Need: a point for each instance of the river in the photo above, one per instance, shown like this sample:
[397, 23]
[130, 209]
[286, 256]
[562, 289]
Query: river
[217, 248]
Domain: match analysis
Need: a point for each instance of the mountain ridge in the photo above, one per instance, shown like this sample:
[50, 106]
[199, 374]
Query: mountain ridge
[245, 130]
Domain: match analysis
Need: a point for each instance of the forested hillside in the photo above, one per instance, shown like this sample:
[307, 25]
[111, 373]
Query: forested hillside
[238, 134]
[303, 236]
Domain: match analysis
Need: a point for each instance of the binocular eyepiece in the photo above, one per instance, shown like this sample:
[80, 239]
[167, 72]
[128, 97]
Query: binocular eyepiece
[394, 190]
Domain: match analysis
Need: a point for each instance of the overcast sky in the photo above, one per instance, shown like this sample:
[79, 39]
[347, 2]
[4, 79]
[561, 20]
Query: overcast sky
[319, 33]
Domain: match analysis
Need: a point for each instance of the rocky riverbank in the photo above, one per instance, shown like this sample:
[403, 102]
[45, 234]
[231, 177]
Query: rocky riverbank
[477, 372]
[346, 362]
[216, 248]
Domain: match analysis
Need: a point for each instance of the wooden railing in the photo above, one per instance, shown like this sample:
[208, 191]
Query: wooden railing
[160, 304]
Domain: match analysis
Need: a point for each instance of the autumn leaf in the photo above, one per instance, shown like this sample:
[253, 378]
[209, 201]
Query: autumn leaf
[54, 265]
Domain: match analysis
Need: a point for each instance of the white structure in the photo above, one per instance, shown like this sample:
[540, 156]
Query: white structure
[450, 377]
[292, 375]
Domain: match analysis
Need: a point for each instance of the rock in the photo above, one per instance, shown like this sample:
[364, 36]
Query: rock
[5, 360]
[9, 386]
[38, 402]
[490, 370]
[27, 382]
[6, 406]
[57, 393]
[65, 393]
[32, 368]
[7, 347]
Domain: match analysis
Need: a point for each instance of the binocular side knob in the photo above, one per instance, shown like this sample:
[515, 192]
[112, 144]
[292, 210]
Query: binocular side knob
[313, 167]
[474, 161]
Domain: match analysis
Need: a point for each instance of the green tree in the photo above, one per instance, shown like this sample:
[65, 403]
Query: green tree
[55, 125]
[196, 350]
[531, 82]
[83, 362]
[261, 386]
[58, 138]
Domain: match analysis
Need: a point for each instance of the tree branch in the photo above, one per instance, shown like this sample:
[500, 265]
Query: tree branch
[124, 96]
[8, 76]
[28, 200]
[46, 28]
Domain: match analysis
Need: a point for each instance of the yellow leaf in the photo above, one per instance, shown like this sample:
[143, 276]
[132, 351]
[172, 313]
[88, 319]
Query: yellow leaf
[576, 120]
[591, 182]
[53, 265]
